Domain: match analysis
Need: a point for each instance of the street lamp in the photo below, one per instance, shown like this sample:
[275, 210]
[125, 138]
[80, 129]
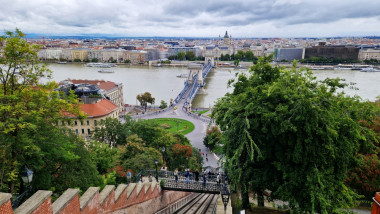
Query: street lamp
[27, 177]
[225, 192]
[129, 176]
[156, 162]
[163, 155]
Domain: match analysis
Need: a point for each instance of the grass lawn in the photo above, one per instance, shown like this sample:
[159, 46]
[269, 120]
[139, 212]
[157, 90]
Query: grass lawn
[175, 125]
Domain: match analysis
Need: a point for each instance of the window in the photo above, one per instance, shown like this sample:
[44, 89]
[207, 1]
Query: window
[81, 123]
[95, 122]
[76, 131]
[63, 123]
[88, 122]
[76, 122]
[82, 131]
[88, 131]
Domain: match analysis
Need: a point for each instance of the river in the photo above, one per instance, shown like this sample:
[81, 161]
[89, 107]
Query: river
[163, 84]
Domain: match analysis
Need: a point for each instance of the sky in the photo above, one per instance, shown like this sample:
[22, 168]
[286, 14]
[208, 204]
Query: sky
[193, 18]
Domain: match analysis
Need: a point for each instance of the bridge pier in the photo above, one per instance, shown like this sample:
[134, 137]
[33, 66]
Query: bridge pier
[193, 70]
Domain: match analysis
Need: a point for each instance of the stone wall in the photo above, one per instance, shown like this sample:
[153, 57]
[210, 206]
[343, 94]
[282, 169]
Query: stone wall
[133, 198]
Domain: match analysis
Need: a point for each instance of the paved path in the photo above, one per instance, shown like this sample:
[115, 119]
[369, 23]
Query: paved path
[196, 136]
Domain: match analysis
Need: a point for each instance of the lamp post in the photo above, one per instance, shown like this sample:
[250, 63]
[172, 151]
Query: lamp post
[163, 155]
[156, 162]
[129, 176]
[27, 177]
[225, 192]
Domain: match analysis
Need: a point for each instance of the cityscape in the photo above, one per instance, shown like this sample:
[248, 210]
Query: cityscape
[190, 107]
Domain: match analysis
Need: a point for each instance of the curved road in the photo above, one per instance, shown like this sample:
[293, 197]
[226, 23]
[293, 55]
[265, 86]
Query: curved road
[196, 136]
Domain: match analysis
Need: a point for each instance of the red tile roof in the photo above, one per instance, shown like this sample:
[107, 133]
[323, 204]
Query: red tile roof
[102, 84]
[100, 108]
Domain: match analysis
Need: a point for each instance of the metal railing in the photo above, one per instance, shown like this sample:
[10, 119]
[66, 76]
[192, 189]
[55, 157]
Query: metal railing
[182, 175]
[191, 186]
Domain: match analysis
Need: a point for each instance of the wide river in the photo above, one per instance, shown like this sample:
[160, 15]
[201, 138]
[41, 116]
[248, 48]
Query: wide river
[163, 84]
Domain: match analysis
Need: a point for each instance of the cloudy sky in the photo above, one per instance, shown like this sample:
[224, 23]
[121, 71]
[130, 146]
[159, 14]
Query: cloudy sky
[194, 18]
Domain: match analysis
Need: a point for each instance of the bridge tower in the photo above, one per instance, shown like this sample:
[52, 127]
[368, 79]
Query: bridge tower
[210, 59]
[193, 70]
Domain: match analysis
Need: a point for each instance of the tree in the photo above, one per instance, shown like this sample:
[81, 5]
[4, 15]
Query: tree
[249, 55]
[145, 98]
[94, 60]
[285, 131]
[213, 137]
[181, 56]
[29, 112]
[163, 104]
[112, 132]
[190, 56]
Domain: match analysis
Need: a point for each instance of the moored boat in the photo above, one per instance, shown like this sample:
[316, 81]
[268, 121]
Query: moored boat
[369, 69]
[106, 71]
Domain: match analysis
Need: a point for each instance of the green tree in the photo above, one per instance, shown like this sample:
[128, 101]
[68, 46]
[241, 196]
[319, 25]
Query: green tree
[102, 156]
[163, 104]
[190, 56]
[213, 137]
[145, 98]
[285, 131]
[249, 55]
[94, 60]
[112, 132]
[181, 56]
[77, 60]
[29, 112]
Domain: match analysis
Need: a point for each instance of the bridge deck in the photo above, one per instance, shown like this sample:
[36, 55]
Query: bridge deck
[192, 186]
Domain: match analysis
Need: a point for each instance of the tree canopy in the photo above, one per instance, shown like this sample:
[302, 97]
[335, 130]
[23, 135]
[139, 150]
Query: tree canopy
[145, 98]
[29, 113]
[285, 131]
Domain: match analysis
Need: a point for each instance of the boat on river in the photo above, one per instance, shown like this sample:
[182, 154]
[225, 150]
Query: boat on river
[100, 65]
[106, 71]
[370, 69]
[182, 75]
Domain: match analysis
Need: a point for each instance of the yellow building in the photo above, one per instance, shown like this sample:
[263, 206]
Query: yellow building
[95, 112]
[79, 53]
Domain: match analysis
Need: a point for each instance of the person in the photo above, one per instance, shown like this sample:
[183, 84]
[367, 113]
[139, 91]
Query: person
[206, 159]
[218, 179]
[196, 173]
[204, 179]
[187, 175]
[141, 178]
[150, 177]
[176, 175]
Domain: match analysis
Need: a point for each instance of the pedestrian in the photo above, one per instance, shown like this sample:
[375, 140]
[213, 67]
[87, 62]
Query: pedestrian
[141, 178]
[150, 177]
[187, 175]
[204, 179]
[196, 173]
[176, 175]
[206, 159]
[218, 179]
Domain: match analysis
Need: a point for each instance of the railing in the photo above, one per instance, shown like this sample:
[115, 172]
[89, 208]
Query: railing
[177, 205]
[137, 177]
[182, 175]
[192, 186]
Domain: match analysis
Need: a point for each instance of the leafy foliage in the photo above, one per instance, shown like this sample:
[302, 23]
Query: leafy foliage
[285, 131]
[145, 98]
